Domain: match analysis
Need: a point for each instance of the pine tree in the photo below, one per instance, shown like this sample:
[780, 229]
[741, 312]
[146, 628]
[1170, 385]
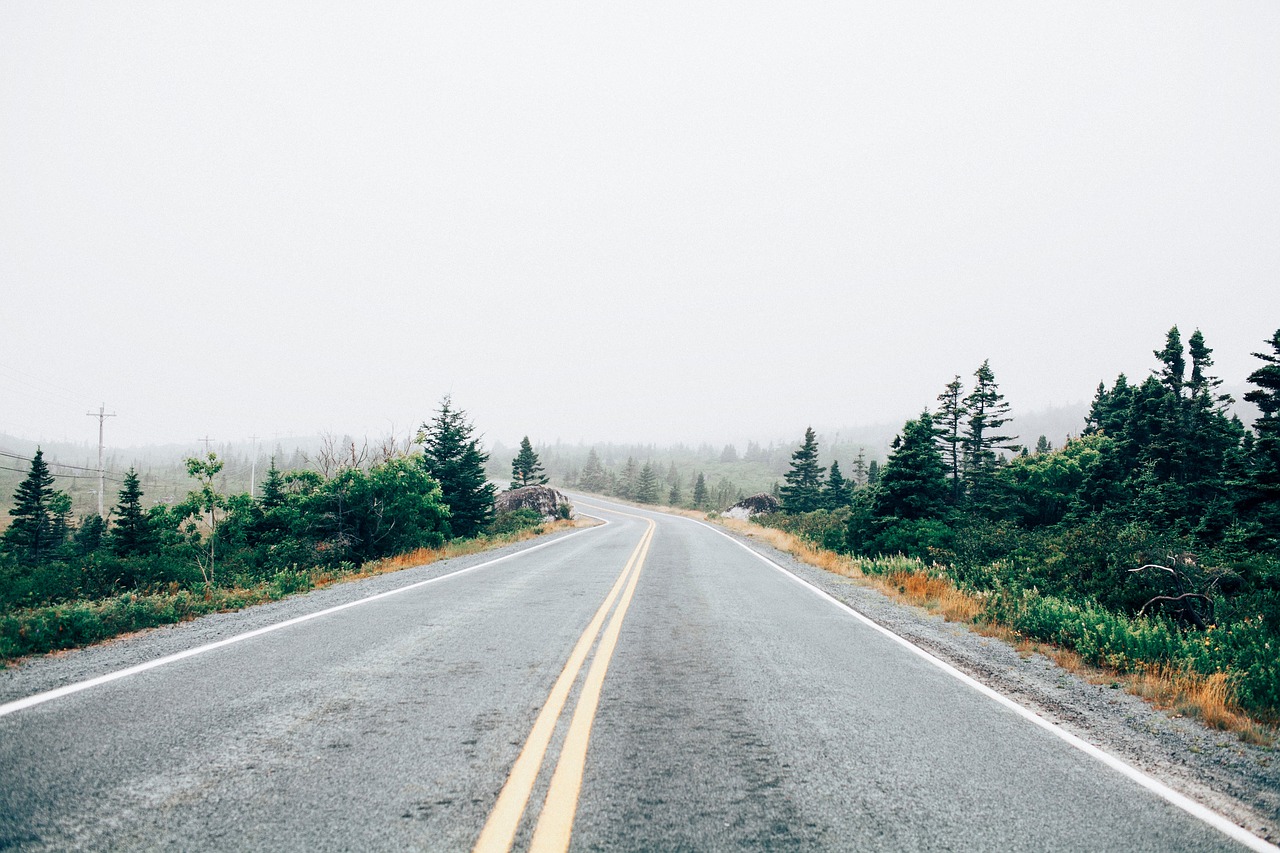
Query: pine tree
[131, 532]
[913, 484]
[700, 495]
[1043, 446]
[526, 470]
[675, 497]
[803, 491]
[873, 473]
[837, 492]
[273, 494]
[89, 535]
[594, 478]
[859, 478]
[1262, 494]
[646, 491]
[949, 420]
[626, 487]
[1174, 369]
[452, 455]
[30, 535]
[988, 412]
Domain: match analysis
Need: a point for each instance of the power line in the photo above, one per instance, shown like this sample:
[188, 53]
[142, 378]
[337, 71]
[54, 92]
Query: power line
[64, 476]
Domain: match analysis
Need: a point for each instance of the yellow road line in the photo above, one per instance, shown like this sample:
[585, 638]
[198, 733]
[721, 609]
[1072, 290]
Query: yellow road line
[500, 829]
[555, 823]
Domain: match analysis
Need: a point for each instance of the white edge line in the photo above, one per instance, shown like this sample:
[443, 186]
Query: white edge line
[1195, 809]
[66, 690]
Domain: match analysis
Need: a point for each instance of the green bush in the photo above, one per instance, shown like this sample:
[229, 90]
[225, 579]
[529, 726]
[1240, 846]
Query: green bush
[514, 521]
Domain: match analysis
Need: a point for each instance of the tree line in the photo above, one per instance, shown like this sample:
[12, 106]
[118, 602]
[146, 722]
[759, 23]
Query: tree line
[1165, 507]
[349, 512]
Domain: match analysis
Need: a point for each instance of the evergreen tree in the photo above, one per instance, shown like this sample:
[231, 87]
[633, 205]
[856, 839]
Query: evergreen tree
[988, 412]
[526, 470]
[700, 496]
[626, 486]
[803, 491]
[859, 478]
[913, 484]
[30, 535]
[1173, 371]
[837, 492]
[1043, 446]
[729, 455]
[452, 456]
[949, 420]
[273, 494]
[646, 491]
[675, 497]
[594, 478]
[873, 473]
[1262, 494]
[131, 533]
[89, 535]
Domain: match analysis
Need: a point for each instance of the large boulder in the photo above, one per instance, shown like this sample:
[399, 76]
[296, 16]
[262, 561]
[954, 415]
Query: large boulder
[544, 500]
[761, 504]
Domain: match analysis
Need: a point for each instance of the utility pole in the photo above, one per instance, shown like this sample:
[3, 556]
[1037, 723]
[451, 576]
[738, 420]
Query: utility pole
[253, 465]
[207, 441]
[102, 416]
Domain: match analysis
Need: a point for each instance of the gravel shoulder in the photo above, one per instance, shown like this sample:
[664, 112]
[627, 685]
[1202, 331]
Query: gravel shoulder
[1236, 779]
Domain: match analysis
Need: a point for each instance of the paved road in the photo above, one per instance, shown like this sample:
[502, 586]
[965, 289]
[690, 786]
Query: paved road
[718, 705]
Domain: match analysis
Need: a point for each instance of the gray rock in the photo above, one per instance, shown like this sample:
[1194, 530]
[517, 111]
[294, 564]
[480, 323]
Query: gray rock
[543, 499]
[760, 504]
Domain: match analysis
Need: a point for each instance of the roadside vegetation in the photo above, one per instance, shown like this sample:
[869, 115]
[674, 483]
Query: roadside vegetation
[65, 583]
[1148, 545]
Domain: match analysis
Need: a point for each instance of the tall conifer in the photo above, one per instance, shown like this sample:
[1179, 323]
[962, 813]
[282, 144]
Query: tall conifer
[452, 455]
[803, 491]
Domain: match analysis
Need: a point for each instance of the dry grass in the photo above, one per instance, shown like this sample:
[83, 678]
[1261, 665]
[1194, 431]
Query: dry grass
[1207, 698]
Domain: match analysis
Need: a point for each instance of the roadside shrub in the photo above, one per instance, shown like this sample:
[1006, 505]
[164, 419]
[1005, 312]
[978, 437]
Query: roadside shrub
[514, 521]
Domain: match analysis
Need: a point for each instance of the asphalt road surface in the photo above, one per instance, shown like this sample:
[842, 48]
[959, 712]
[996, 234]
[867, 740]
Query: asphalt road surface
[648, 684]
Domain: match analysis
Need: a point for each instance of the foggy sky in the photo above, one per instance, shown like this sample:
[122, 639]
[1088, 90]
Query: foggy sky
[636, 222]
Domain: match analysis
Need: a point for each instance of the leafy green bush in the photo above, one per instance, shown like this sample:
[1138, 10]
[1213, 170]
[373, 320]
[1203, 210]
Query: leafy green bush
[514, 521]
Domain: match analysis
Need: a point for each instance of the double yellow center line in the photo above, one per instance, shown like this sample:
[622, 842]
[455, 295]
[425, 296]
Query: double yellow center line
[555, 821]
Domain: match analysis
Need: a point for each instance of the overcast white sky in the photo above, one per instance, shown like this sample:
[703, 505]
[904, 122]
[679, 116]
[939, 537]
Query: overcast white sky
[651, 221]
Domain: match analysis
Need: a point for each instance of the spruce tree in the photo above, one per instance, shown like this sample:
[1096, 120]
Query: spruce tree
[803, 491]
[273, 494]
[949, 420]
[837, 492]
[526, 470]
[626, 486]
[30, 535]
[675, 497]
[1262, 494]
[873, 473]
[131, 532]
[988, 412]
[594, 478]
[646, 491]
[700, 496]
[859, 478]
[452, 455]
[1043, 446]
[913, 483]
[1172, 374]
